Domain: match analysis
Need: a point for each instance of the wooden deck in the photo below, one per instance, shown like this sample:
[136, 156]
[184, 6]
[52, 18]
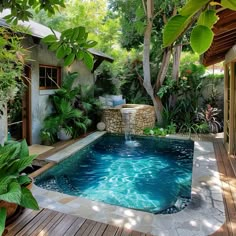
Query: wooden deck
[50, 223]
[228, 181]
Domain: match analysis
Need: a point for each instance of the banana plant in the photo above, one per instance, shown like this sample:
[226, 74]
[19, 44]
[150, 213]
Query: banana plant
[200, 12]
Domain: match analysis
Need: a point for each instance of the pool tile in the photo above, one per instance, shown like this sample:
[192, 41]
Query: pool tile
[66, 200]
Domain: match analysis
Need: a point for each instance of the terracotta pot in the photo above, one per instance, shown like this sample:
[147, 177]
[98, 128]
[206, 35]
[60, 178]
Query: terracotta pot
[11, 208]
[13, 211]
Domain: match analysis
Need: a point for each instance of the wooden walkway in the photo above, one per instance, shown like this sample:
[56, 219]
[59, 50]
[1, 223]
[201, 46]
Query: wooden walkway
[50, 223]
[228, 180]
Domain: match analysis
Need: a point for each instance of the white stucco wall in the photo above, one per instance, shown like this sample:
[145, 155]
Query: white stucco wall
[40, 106]
[85, 76]
[3, 125]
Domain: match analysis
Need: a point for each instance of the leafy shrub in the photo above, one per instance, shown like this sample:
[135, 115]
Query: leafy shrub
[65, 115]
[171, 129]
[210, 117]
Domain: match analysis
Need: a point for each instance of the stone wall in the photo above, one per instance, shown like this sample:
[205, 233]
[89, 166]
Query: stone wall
[140, 117]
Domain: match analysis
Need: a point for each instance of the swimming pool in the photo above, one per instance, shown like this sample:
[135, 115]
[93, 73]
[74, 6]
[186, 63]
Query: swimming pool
[150, 174]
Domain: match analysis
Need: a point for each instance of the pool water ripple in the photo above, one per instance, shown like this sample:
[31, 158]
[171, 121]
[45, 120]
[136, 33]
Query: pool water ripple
[150, 176]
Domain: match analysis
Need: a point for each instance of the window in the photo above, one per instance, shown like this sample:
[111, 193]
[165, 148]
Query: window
[49, 77]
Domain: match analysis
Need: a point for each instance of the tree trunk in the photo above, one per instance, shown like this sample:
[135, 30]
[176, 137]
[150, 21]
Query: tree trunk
[158, 109]
[146, 50]
[3, 126]
[176, 61]
[175, 72]
[146, 55]
[160, 79]
[164, 67]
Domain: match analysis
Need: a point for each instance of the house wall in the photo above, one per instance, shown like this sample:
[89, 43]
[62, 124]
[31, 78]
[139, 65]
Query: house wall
[229, 101]
[40, 106]
[231, 55]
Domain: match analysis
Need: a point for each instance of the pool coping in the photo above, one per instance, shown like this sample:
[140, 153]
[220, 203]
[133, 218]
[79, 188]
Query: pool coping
[203, 216]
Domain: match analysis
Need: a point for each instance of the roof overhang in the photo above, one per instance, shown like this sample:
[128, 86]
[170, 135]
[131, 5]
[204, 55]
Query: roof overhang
[39, 31]
[224, 37]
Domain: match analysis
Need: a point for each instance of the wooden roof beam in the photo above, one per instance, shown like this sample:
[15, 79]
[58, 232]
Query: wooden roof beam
[224, 28]
[211, 61]
[215, 48]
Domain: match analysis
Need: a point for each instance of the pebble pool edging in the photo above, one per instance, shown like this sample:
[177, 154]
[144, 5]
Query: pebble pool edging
[203, 216]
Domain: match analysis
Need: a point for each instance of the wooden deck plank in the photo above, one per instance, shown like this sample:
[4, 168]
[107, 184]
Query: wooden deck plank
[61, 228]
[221, 170]
[226, 174]
[20, 218]
[110, 230]
[51, 224]
[29, 228]
[127, 232]
[222, 231]
[75, 226]
[89, 228]
[136, 233]
[83, 228]
[226, 179]
[230, 175]
[98, 229]
[22, 222]
[43, 225]
[49, 227]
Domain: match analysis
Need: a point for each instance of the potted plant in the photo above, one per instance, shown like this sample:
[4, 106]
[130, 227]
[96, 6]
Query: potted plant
[46, 137]
[14, 158]
[66, 121]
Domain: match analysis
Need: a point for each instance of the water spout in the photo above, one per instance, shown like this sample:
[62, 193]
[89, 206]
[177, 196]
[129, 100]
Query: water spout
[128, 118]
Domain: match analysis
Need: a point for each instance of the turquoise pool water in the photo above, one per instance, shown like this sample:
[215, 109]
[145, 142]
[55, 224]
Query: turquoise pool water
[150, 174]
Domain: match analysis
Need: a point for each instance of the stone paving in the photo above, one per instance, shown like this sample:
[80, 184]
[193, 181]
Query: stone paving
[203, 216]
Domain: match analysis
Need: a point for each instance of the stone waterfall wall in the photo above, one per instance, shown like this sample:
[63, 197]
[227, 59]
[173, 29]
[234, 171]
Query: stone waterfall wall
[143, 117]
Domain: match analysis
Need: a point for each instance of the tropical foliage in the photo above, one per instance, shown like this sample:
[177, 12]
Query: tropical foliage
[72, 45]
[12, 59]
[157, 131]
[210, 116]
[14, 158]
[205, 17]
[88, 103]
[65, 115]
[21, 10]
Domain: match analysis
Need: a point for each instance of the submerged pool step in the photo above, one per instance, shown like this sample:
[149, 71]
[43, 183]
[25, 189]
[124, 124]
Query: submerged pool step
[68, 151]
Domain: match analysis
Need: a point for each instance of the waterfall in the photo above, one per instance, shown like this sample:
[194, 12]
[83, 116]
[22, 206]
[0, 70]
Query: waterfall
[128, 118]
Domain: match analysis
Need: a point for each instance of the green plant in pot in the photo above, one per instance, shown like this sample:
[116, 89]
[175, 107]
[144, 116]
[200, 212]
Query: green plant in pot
[65, 119]
[46, 137]
[14, 158]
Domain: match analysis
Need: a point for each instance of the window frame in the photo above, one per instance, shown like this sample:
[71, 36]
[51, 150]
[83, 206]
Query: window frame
[58, 77]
